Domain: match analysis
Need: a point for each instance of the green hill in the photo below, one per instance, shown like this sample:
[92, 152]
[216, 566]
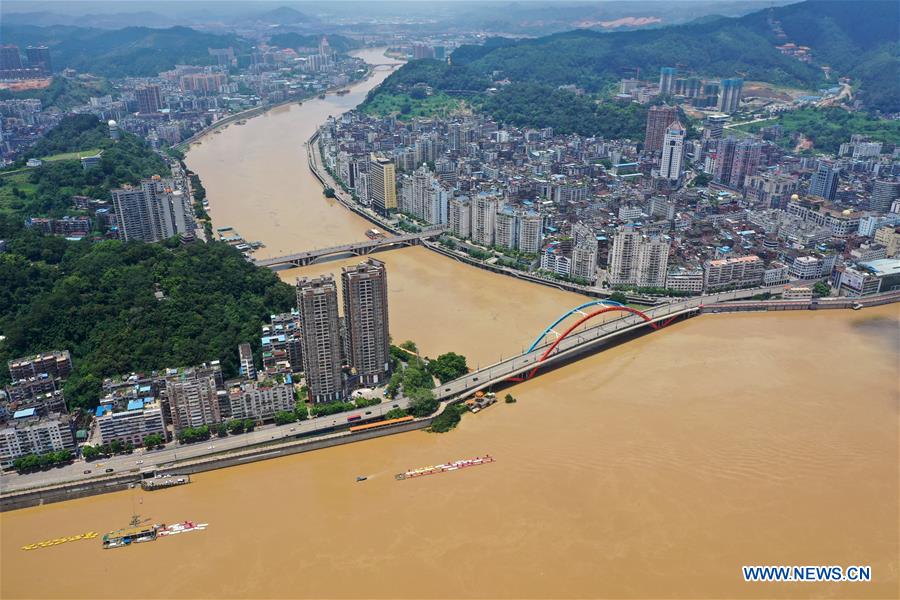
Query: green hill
[132, 51]
[97, 299]
[856, 39]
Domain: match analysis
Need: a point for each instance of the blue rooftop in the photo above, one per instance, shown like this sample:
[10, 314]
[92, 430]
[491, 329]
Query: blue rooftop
[25, 412]
[135, 404]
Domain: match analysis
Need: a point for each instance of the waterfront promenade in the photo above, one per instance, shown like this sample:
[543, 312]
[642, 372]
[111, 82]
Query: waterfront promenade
[552, 352]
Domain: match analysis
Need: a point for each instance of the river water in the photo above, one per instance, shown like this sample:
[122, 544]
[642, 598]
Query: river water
[654, 469]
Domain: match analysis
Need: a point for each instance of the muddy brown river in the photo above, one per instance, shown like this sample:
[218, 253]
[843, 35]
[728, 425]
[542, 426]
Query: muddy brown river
[654, 469]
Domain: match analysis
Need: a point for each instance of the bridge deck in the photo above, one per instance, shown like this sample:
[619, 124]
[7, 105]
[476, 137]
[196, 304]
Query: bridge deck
[353, 248]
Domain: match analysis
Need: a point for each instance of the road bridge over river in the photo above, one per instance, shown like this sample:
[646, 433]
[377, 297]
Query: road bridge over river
[302, 259]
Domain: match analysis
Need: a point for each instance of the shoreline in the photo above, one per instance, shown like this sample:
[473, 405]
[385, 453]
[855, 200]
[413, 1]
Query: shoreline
[251, 113]
[38, 496]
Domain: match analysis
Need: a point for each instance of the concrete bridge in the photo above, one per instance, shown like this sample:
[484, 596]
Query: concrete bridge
[575, 341]
[301, 259]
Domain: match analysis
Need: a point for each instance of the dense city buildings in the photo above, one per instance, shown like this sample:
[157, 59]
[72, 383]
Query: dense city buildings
[637, 260]
[730, 95]
[56, 364]
[140, 419]
[27, 433]
[148, 99]
[193, 395]
[245, 356]
[365, 293]
[672, 151]
[320, 328]
[732, 273]
[281, 342]
[518, 196]
[824, 182]
[261, 400]
[382, 184]
[155, 211]
[658, 120]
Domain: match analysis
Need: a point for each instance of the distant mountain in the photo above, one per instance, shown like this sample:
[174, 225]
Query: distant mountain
[132, 51]
[284, 16]
[858, 39]
[102, 21]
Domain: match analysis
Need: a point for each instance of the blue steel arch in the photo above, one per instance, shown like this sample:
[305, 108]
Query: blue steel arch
[566, 316]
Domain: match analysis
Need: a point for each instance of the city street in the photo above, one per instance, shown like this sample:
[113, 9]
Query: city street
[174, 451]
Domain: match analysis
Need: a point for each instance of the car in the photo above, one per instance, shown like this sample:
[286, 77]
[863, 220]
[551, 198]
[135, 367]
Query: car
[110, 470]
[87, 471]
[368, 412]
[210, 447]
[292, 429]
[140, 462]
[395, 406]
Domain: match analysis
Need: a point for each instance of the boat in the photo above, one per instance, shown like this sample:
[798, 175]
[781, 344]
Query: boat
[183, 527]
[361, 478]
[343, 92]
[164, 481]
[445, 467]
[321, 96]
[374, 234]
[135, 534]
[856, 306]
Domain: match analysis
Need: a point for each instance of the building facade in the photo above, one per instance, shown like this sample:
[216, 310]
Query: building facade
[320, 338]
[366, 315]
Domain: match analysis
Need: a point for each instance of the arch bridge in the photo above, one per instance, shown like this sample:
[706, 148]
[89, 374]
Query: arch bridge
[302, 259]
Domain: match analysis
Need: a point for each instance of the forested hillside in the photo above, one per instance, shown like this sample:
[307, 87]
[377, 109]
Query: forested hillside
[859, 43]
[132, 51]
[98, 299]
[63, 93]
[48, 189]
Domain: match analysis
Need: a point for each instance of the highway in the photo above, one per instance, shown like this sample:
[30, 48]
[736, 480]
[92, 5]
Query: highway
[580, 341]
[142, 459]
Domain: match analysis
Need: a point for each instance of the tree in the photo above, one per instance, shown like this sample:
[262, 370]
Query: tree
[449, 366]
[393, 385]
[301, 411]
[821, 289]
[284, 417]
[619, 297]
[395, 413]
[409, 345]
[89, 452]
[416, 376]
[154, 440]
[116, 446]
[448, 419]
[509, 398]
[249, 425]
[364, 402]
[423, 403]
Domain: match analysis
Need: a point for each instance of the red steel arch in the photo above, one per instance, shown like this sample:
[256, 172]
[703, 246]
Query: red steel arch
[588, 317]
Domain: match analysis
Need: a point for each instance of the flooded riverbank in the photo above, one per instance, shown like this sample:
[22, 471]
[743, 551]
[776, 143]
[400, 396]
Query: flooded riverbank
[654, 469]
